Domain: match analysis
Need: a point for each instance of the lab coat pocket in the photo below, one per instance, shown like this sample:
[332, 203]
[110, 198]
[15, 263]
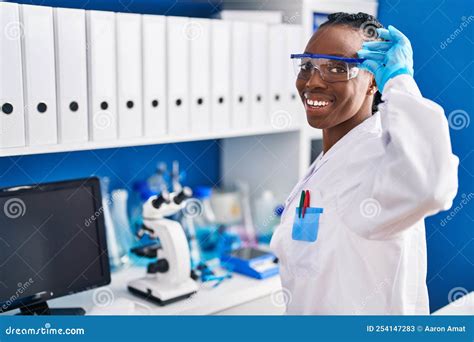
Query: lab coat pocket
[306, 228]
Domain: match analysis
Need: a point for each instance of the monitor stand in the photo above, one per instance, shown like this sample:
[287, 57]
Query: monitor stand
[42, 308]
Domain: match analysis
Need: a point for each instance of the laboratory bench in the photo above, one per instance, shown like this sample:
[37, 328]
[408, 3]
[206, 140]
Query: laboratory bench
[239, 295]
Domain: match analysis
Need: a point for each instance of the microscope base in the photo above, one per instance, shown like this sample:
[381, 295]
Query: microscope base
[162, 294]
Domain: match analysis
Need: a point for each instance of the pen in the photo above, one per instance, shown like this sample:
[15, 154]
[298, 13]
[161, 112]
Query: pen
[301, 203]
[306, 202]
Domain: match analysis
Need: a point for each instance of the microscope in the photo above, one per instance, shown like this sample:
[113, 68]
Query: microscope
[169, 278]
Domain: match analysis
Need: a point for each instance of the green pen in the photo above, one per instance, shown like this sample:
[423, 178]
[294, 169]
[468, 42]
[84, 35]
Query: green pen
[303, 194]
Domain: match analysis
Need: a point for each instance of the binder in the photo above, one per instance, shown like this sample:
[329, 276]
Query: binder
[39, 75]
[154, 75]
[294, 44]
[71, 75]
[129, 75]
[102, 88]
[240, 56]
[258, 75]
[278, 114]
[199, 31]
[220, 75]
[178, 75]
[12, 116]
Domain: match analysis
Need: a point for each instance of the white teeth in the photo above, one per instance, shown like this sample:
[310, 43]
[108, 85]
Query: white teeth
[316, 103]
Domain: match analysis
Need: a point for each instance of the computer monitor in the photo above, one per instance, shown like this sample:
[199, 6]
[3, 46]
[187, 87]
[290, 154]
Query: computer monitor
[52, 244]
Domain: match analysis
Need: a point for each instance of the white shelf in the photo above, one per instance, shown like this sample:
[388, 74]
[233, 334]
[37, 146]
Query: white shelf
[94, 145]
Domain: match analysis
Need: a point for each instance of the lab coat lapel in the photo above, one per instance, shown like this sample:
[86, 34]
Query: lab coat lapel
[369, 124]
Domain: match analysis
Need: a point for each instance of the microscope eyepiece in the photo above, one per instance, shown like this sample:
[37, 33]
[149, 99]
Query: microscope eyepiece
[183, 195]
[163, 198]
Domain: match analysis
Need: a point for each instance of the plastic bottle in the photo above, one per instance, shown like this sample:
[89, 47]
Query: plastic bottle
[117, 254]
[266, 214]
[123, 230]
[206, 228]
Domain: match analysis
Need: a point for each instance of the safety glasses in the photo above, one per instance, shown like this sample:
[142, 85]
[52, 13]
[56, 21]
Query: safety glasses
[331, 68]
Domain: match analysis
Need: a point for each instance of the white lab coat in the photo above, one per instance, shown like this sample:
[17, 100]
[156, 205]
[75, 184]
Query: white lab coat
[376, 186]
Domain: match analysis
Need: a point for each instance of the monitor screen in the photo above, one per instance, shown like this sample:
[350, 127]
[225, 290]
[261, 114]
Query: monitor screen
[52, 241]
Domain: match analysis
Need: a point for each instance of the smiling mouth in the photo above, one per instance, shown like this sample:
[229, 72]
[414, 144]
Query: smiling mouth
[316, 103]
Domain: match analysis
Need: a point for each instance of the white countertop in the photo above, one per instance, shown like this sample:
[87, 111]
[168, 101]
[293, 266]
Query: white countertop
[115, 299]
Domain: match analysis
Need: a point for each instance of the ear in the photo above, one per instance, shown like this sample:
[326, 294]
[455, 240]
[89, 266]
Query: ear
[372, 89]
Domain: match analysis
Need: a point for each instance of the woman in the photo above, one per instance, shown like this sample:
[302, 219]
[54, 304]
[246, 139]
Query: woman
[381, 172]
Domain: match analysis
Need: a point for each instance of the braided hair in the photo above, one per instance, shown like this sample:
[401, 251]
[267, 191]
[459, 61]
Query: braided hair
[367, 24]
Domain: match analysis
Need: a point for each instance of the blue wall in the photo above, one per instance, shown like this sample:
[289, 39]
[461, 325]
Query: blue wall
[444, 72]
[124, 166]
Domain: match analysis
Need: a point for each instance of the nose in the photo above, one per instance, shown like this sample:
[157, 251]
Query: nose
[315, 80]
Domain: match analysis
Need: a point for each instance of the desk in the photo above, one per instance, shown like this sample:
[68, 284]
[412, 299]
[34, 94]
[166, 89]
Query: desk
[239, 295]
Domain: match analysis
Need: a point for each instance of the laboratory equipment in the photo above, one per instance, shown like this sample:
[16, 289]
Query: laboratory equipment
[53, 244]
[175, 177]
[331, 68]
[252, 262]
[206, 228]
[226, 206]
[123, 230]
[249, 235]
[168, 279]
[265, 214]
[157, 181]
[187, 221]
[387, 59]
[118, 252]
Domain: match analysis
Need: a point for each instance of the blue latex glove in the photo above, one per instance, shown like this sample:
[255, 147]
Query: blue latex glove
[389, 58]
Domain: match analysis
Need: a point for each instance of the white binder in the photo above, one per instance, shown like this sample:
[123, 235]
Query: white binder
[39, 75]
[240, 60]
[12, 119]
[258, 75]
[154, 75]
[129, 75]
[102, 75]
[220, 75]
[71, 74]
[199, 32]
[294, 44]
[178, 74]
[277, 76]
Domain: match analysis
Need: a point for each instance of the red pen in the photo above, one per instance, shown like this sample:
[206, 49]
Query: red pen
[306, 202]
